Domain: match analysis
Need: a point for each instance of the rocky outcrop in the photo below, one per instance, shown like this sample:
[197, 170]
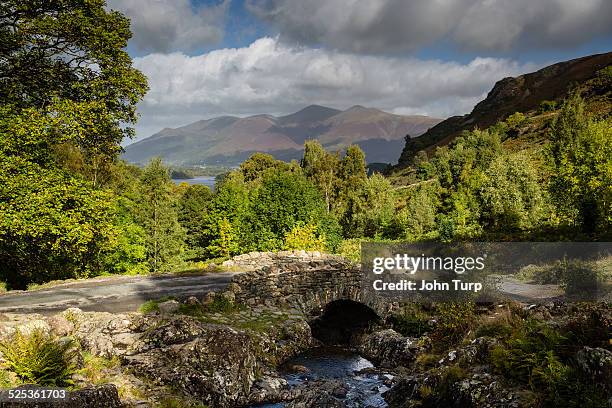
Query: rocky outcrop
[216, 364]
[102, 396]
[478, 390]
[213, 363]
[389, 349]
[509, 95]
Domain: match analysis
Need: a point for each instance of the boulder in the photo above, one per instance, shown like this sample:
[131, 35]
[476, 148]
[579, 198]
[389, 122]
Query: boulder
[596, 364]
[169, 307]
[389, 349]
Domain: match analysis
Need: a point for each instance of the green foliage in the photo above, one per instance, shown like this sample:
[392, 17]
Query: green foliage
[194, 204]
[39, 359]
[532, 355]
[52, 224]
[158, 216]
[548, 106]
[418, 218]
[73, 51]
[282, 200]
[304, 237]
[150, 306]
[321, 168]
[454, 320]
[94, 367]
[226, 245]
[511, 194]
[515, 120]
[411, 321]
[258, 164]
[580, 154]
[369, 208]
[350, 249]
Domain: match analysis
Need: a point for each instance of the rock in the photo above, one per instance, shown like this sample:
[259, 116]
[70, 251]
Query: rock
[102, 396]
[104, 334]
[229, 296]
[208, 298]
[596, 363]
[268, 389]
[169, 307]
[215, 364]
[60, 326]
[297, 368]
[192, 301]
[389, 349]
[320, 393]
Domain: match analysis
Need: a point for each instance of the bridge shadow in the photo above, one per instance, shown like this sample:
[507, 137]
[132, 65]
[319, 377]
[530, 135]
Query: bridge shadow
[342, 321]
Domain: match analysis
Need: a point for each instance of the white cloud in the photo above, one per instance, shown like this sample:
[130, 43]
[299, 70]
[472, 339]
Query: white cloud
[272, 77]
[172, 25]
[381, 26]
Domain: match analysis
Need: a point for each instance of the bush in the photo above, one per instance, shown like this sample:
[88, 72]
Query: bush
[455, 319]
[40, 359]
[350, 249]
[304, 236]
[548, 106]
[410, 321]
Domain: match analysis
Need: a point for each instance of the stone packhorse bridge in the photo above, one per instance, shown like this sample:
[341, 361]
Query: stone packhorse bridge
[325, 288]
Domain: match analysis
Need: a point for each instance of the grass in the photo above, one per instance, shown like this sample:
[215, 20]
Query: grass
[95, 368]
[152, 306]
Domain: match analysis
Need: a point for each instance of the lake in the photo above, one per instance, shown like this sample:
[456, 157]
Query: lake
[206, 180]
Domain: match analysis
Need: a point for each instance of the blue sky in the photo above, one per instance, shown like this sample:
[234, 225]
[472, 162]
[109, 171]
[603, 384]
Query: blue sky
[206, 58]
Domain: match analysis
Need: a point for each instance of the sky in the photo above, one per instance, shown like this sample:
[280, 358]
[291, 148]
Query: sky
[207, 58]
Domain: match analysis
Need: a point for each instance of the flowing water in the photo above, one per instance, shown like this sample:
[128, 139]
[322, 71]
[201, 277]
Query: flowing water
[365, 388]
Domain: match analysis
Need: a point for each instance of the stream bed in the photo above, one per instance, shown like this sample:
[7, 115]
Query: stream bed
[365, 387]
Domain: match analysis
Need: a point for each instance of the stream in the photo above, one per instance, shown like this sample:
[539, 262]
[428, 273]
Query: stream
[365, 388]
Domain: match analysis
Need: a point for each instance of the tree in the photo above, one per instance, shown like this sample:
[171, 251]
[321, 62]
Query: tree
[369, 208]
[158, 215]
[321, 168]
[194, 204]
[418, 217]
[352, 175]
[511, 196]
[52, 225]
[255, 166]
[283, 200]
[69, 56]
[580, 154]
[72, 50]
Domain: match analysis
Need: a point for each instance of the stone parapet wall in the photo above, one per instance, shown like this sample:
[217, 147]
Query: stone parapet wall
[304, 280]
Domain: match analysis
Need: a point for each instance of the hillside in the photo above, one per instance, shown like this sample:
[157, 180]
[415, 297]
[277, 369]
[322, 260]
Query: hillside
[229, 140]
[523, 94]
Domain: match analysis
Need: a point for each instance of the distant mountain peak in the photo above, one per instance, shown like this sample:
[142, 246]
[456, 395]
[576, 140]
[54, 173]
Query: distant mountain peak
[357, 108]
[229, 140]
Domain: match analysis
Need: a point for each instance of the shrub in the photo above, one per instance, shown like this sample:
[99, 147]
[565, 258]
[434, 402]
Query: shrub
[515, 120]
[410, 321]
[350, 249]
[40, 359]
[548, 106]
[150, 306]
[455, 319]
[495, 328]
[304, 236]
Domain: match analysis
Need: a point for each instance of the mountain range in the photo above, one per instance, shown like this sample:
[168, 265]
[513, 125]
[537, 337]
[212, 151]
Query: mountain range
[229, 140]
